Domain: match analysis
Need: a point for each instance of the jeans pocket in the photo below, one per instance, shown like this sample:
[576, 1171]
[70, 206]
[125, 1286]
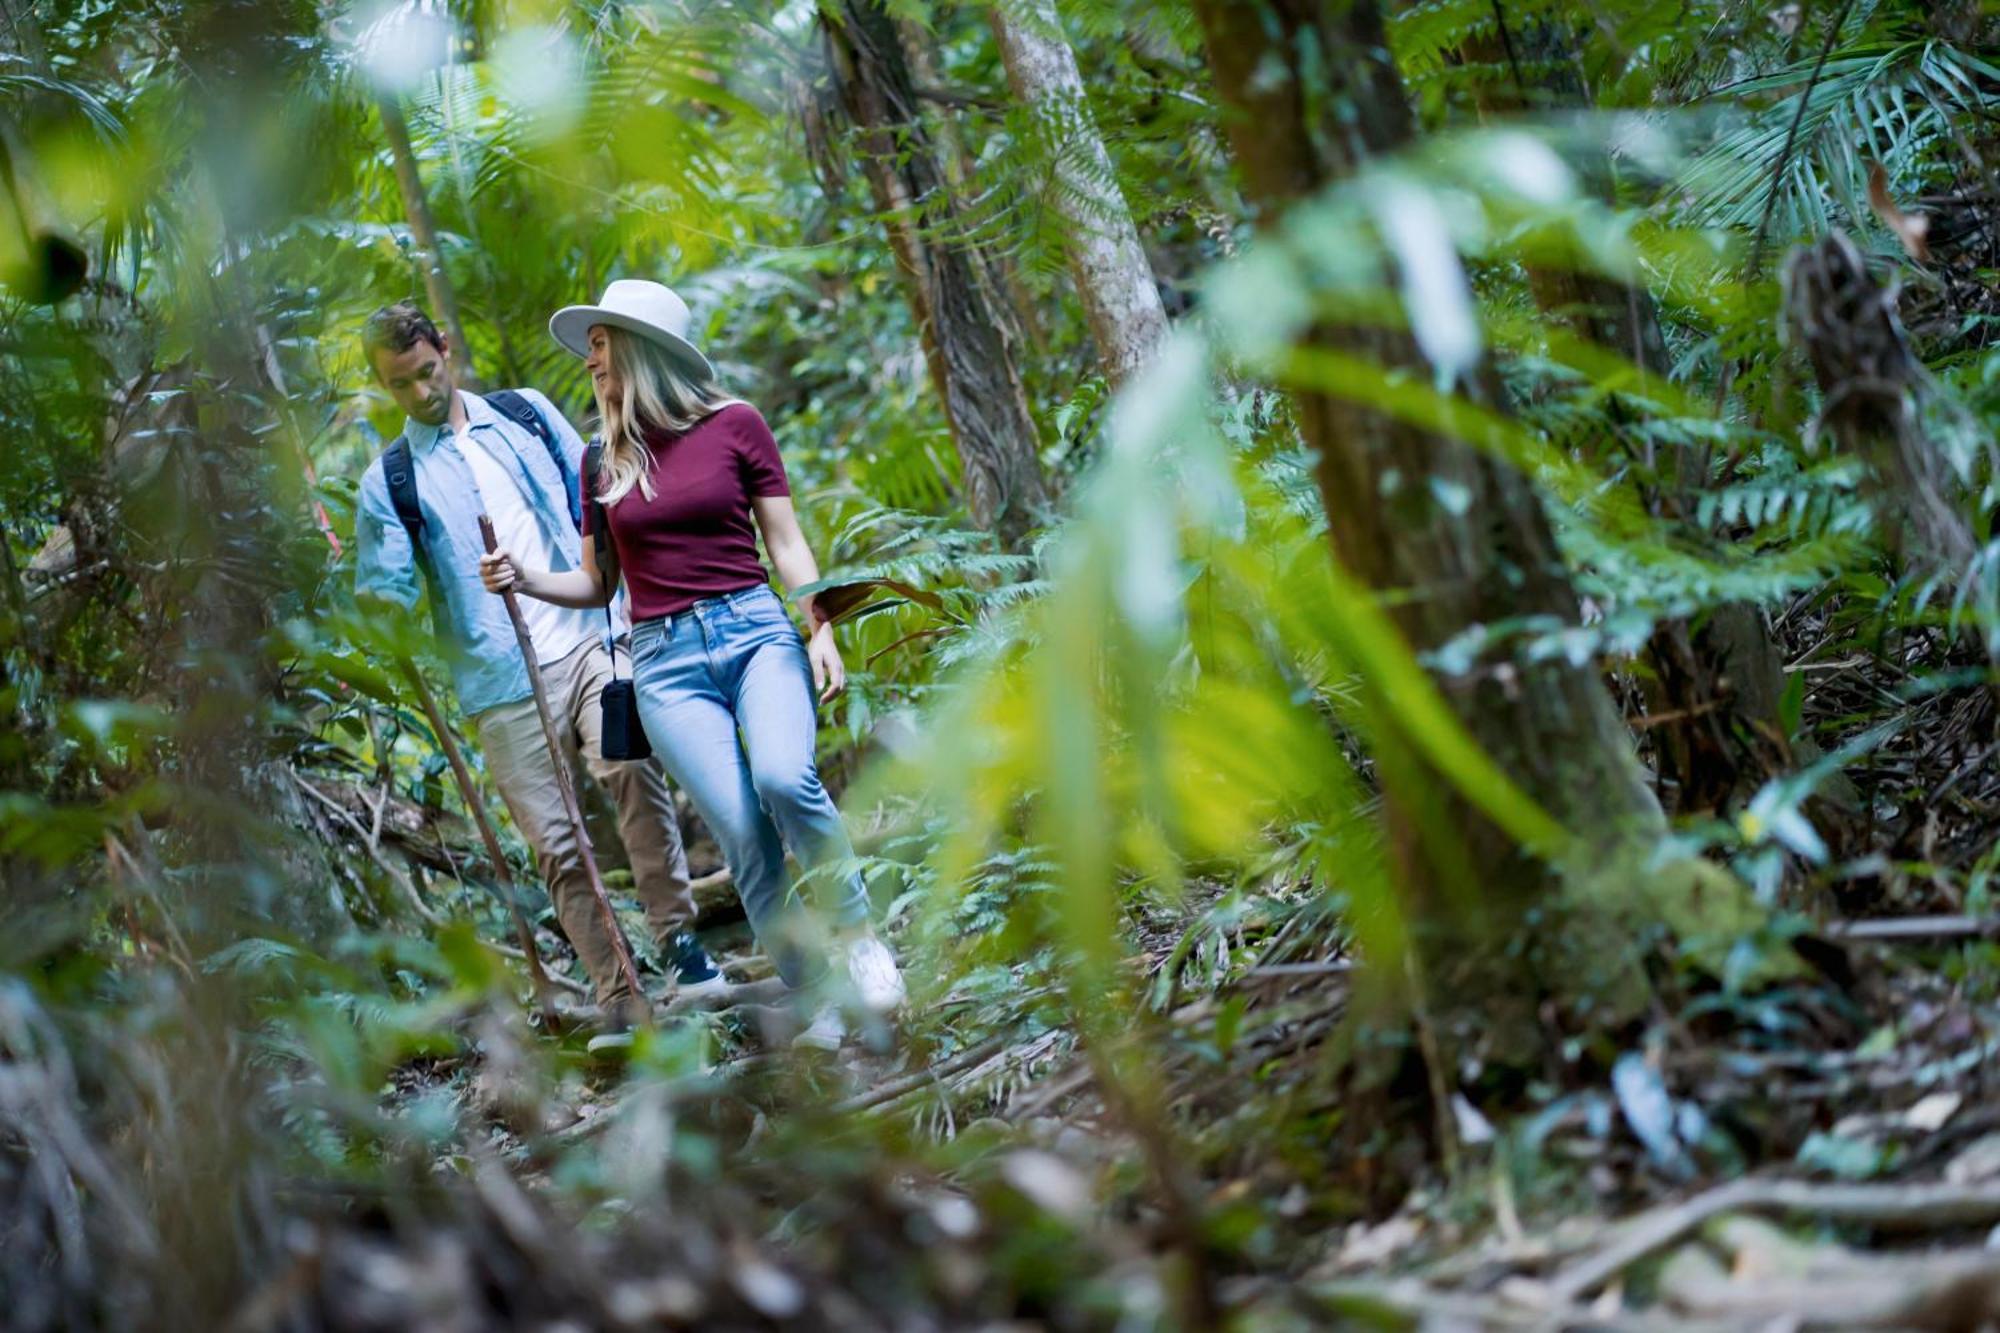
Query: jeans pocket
[766, 610]
[645, 645]
[757, 600]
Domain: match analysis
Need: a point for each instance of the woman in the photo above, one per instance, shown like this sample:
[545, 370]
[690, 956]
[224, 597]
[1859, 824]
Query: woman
[688, 478]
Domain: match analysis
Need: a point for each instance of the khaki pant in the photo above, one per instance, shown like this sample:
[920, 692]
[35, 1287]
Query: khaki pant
[518, 758]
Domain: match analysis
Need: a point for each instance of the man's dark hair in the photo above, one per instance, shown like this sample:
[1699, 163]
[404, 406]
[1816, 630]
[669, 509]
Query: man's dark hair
[396, 329]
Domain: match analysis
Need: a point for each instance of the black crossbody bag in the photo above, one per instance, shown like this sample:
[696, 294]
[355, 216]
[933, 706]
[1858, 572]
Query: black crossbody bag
[623, 735]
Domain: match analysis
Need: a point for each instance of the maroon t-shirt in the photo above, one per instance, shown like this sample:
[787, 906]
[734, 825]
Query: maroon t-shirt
[695, 538]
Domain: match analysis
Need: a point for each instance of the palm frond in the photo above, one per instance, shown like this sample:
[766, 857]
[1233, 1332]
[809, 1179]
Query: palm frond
[1898, 103]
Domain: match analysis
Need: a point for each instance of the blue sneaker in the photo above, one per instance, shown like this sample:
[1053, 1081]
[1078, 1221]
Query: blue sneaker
[694, 973]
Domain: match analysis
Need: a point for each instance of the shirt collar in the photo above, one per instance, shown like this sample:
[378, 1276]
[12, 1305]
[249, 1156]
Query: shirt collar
[423, 437]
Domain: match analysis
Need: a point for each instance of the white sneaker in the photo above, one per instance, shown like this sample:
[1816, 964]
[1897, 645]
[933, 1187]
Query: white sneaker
[877, 979]
[826, 1031]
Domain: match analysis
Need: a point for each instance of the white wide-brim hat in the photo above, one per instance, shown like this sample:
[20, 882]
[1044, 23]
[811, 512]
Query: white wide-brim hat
[646, 308]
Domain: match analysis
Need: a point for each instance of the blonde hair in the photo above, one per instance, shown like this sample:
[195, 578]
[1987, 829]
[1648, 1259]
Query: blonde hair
[654, 392]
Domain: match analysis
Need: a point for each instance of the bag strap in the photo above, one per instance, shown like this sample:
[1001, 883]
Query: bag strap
[400, 473]
[600, 537]
[399, 470]
[516, 408]
[600, 530]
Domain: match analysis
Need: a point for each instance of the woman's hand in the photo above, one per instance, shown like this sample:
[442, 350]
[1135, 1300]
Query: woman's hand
[829, 676]
[565, 587]
[499, 573]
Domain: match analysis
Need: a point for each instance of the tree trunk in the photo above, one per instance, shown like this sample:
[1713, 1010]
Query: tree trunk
[1618, 315]
[1011, 297]
[1714, 688]
[1873, 384]
[913, 269]
[423, 231]
[1310, 93]
[985, 400]
[1113, 278]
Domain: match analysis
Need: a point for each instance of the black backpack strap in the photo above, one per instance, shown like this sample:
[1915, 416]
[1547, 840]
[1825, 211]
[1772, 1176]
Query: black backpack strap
[400, 472]
[600, 532]
[515, 407]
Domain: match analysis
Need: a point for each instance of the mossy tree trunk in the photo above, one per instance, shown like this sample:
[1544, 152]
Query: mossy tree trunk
[985, 398]
[1114, 280]
[1713, 688]
[1310, 93]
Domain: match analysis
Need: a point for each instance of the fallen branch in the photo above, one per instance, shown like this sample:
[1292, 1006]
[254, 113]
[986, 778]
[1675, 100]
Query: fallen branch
[1915, 928]
[424, 909]
[569, 984]
[1048, 1092]
[715, 900]
[1909, 1207]
[897, 1088]
[373, 850]
[771, 990]
[1330, 969]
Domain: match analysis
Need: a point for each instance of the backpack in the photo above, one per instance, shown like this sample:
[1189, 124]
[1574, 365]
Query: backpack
[400, 473]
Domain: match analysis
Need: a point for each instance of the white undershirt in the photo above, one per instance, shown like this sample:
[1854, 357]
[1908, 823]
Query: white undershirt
[556, 631]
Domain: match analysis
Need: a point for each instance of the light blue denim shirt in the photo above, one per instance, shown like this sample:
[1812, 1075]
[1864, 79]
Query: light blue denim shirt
[484, 656]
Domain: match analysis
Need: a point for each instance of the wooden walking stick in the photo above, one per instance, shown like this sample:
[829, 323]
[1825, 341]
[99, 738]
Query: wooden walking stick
[567, 782]
[469, 793]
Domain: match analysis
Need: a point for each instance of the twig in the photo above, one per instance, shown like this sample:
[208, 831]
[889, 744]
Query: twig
[898, 1088]
[1917, 1207]
[964, 101]
[1424, 1305]
[1915, 928]
[378, 806]
[1049, 1092]
[533, 961]
[1328, 969]
[771, 990]
[1641, 721]
[128, 870]
[570, 984]
[1804, 662]
[1944, 788]
[1075, 1075]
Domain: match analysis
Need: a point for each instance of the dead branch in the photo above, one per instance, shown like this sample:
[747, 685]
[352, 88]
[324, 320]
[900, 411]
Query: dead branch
[373, 849]
[1900, 1207]
[1915, 928]
[898, 1088]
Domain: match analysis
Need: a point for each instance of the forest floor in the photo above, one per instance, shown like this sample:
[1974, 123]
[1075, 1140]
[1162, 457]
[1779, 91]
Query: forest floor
[1818, 1150]
[1828, 1156]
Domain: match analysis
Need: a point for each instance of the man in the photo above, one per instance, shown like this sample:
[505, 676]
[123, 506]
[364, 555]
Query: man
[516, 459]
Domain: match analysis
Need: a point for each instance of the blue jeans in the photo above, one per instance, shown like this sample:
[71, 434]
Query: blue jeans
[735, 664]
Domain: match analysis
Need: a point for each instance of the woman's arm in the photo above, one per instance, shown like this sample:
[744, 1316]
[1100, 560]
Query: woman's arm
[569, 587]
[779, 523]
